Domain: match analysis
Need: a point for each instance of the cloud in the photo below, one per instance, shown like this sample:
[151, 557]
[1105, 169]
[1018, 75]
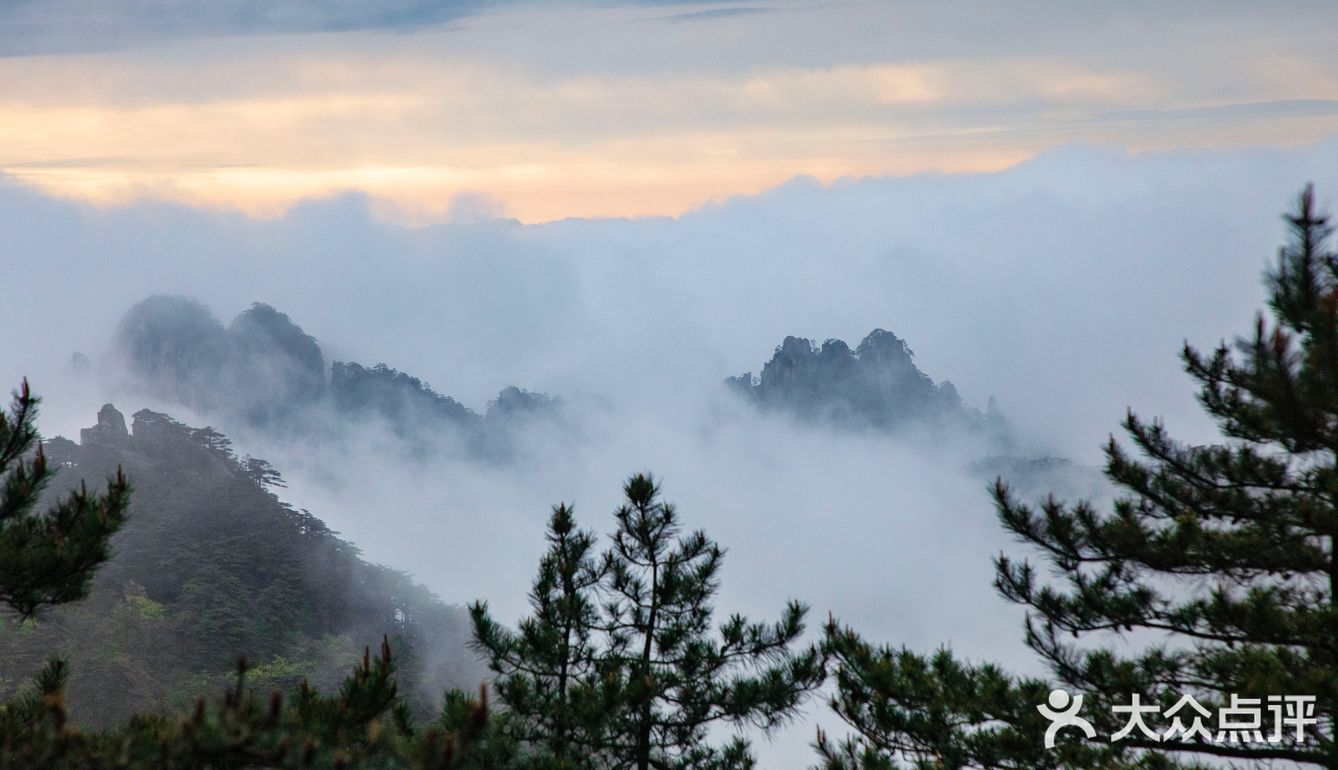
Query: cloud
[806, 258]
[43, 27]
[716, 13]
[1064, 287]
[561, 109]
[991, 182]
[68, 26]
[1282, 107]
[415, 123]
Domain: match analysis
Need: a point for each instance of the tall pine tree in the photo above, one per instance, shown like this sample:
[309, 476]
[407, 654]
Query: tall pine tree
[680, 676]
[656, 672]
[1217, 567]
[546, 668]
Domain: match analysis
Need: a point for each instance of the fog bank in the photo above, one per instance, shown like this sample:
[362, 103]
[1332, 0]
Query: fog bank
[1063, 288]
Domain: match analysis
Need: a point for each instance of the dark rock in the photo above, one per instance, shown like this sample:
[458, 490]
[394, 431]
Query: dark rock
[110, 428]
[876, 385]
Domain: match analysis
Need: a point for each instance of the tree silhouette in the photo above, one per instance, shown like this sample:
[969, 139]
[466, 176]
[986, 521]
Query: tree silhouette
[1218, 562]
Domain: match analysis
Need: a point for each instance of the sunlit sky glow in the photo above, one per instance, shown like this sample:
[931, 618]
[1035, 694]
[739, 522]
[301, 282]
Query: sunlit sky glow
[544, 111]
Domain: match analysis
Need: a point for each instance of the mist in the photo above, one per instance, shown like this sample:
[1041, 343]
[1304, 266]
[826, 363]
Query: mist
[1063, 288]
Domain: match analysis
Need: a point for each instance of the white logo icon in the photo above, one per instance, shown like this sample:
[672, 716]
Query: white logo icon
[1063, 712]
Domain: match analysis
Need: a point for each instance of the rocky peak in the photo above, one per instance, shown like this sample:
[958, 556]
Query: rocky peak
[110, 428]
[875, 385]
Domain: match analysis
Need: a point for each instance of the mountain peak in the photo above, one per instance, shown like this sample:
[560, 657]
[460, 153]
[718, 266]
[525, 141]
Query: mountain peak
[110, 427]
[876, 385]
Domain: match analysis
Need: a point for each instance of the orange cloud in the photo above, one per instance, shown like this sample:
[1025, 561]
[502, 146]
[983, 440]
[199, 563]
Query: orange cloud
[415, 129]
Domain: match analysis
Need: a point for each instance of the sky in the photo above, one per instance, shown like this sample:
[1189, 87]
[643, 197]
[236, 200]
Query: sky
[1064, 287]
[545, 110]
[634, 200]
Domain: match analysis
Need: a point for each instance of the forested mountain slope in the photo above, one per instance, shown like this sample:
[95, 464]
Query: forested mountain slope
[211, 566]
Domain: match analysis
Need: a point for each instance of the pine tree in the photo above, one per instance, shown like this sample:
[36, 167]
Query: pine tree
[1218, 561]
[470, 736]
[48, 558]
[649, 673]
[679, 675]
[216, 442]
[546, 668]
[262, 473]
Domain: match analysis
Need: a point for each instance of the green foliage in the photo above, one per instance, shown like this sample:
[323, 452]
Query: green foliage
[546, 669]
[365, 724]
[143, 607]
[48, 558]
[937, 712]
[468, 736]
[212, 566]
[1219, 562]
[621, 666]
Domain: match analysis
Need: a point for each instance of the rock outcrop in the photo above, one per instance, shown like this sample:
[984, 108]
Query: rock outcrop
[877, 385]
[109, 430]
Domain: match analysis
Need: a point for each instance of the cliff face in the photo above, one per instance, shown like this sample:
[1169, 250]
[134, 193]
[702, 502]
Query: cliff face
[212, 566]
[877, 385]
[110, 428]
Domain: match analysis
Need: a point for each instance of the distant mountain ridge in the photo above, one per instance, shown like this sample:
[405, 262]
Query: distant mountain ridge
[876, 386]
[265, 371]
